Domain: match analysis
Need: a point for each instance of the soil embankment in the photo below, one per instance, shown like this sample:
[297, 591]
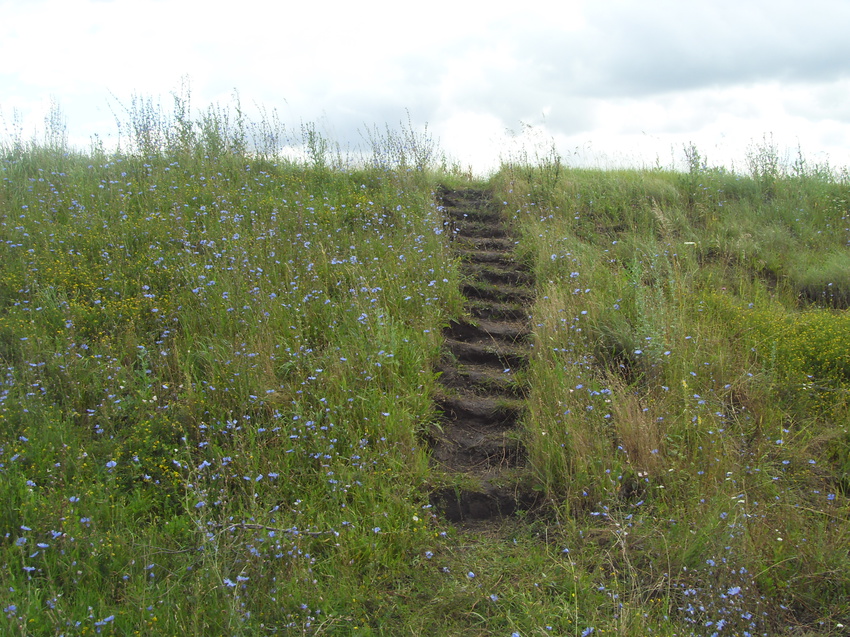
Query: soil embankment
[477, 446]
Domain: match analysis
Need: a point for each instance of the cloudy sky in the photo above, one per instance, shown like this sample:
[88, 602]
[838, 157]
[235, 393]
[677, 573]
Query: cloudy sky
[611, 82]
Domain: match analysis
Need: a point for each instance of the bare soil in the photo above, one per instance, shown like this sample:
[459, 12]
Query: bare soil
[477, 445]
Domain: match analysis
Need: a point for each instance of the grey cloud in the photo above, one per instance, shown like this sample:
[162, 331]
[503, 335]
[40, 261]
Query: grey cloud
[824, 103]
[627, 51]
[666, 51]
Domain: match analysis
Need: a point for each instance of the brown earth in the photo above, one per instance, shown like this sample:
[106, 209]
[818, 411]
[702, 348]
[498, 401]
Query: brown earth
[477, 446]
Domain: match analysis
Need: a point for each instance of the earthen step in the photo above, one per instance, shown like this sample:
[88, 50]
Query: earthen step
[488, 503]
[501, 355]
[490, 244]
[481, 379]
[511, 331]
[474, 230]
[483, 309]
[498, 273]
[484, 413]
[477, 453]
[504, 257]
[498, 293]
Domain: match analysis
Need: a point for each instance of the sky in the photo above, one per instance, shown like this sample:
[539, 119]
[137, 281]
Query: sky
[606, 82]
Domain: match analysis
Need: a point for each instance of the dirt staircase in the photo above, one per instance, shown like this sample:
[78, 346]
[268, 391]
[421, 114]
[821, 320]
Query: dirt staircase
[477, 449]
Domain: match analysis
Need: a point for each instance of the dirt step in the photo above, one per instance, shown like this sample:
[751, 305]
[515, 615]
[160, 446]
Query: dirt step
[499, 355]
[498, 293]
[511, 331]
[487, 244]
[467, 229]
[484, 309]
[488, 503]
[471, 213]
[483, 380]
[480, 412]
[461, 198]
[503, 257]
[477, 453]
[498, 273]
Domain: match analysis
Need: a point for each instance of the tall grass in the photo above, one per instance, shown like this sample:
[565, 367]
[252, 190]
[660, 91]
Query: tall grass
[689, 386]
[217, 347]
[215, 367]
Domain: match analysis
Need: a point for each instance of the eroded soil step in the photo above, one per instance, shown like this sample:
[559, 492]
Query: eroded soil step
[498, 293]
[501, 355]
[484, 380]
[462, 197]
[484, 309]
[511, 331]
[497, 244]
[474, 214]
[503, 257]
[487, 503]
[485, 413]
[479, 229]
[478, 453]
[498, 273]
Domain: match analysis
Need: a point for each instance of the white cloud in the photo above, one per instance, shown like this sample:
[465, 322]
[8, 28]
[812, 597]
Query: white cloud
[618, 77]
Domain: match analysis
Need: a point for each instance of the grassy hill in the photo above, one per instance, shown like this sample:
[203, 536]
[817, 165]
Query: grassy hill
[218, 377]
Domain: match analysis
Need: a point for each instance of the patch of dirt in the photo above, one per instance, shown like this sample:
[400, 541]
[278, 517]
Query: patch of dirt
[477, 445]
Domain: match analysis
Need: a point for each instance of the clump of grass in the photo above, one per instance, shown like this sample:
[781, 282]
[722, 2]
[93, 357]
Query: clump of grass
[682, 404]
[823, 281]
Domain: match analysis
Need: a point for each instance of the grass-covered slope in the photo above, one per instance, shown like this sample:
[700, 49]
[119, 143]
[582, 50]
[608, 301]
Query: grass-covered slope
[689, 410]
[214, 372]
[217, 369]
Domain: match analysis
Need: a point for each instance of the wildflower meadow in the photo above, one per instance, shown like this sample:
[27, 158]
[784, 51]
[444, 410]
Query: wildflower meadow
[217, 377]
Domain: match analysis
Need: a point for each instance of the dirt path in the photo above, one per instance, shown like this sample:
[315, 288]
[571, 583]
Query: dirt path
[478, 447]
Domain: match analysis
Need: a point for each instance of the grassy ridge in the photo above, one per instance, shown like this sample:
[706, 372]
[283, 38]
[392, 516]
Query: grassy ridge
[216, 366]
[214, 373]
[696, 340]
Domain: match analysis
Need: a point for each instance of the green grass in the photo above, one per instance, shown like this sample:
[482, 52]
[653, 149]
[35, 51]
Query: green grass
[690, 387]
[216, 367]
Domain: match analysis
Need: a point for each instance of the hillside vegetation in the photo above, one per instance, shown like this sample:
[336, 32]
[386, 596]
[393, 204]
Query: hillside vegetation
[218, 370]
